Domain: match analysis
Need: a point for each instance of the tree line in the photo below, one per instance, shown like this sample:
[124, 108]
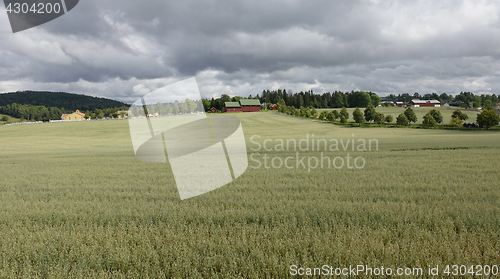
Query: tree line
[353, 99]
[487, 118]
[42, 113]
[218, 103]
[302, 99]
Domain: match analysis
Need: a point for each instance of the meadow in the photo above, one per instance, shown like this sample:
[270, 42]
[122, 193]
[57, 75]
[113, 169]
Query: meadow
[76, 203]
[420, 112]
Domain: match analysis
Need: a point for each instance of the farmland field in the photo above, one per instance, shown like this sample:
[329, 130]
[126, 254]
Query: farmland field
[420, 112]
[75, 202]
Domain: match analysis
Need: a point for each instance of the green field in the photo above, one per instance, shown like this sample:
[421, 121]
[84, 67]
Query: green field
[420, 112]
[76, 203]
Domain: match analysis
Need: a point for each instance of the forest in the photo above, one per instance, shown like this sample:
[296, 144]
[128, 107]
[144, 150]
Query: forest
[60, 100]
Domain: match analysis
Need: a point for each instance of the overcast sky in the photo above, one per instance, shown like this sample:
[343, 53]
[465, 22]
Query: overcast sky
[123, 49]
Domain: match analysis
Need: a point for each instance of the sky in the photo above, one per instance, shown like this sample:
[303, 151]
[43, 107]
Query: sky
[123, 49]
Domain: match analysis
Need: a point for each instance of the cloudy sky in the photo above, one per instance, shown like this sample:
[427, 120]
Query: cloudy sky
[123, 49]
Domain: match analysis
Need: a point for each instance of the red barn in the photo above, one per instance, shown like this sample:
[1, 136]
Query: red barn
[242, 105]
[272, 107]
[250, 105]
[424, 103]
[232, 106]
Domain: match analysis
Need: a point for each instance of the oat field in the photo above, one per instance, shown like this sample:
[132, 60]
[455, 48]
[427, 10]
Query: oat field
[76, 203]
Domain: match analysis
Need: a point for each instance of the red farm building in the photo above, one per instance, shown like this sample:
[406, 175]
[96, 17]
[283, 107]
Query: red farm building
[424, 103]
[250, 105]
[242, 105]
[232, 106]
[273, 107]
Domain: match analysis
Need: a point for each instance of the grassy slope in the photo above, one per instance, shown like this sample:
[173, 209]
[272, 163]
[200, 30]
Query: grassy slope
[420, 112]
[11, 119]
[76, 202]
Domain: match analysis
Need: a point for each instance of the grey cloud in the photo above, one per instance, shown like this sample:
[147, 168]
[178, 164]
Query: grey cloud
[248, 46]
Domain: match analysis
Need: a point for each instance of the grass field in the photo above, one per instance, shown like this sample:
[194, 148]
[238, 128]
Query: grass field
[420, 112]
[76, 203]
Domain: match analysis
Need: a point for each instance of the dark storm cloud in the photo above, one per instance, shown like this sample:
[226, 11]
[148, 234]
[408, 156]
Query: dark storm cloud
[123, 49]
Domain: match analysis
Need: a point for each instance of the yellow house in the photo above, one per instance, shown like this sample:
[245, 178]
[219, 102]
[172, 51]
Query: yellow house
[124, 112]
[75, 116]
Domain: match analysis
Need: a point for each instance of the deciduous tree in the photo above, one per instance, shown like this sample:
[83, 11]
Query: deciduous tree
[344, 113]
[410, 115]
[379, 118]
[436, 114]
[459, 114]
[330, 117]
[402, 120]
[370, 113]
[429, 120]
[336, 114]
[357, 116]
[488, 118]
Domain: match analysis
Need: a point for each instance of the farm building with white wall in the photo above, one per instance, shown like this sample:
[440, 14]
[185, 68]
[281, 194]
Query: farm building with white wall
[424, 103]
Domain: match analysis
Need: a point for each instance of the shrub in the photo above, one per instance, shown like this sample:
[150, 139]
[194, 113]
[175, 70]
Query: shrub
[323, 115]
[314, 112]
